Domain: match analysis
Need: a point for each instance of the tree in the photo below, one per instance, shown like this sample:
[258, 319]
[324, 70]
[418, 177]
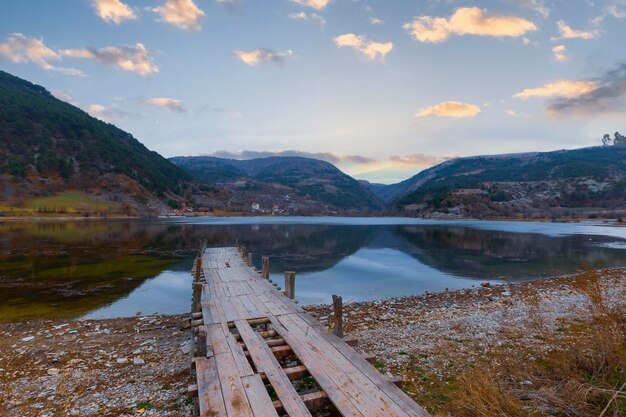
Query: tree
[619, 140]
[606, 139]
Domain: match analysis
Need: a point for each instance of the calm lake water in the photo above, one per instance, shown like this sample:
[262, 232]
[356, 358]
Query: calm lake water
[126, 267]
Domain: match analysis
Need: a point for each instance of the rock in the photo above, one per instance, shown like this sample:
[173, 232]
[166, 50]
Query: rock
[121, 360]
[137, 352]
[53, 371]
[138, 361]
[72, 332]
[27, 338]
[505, 294]
[485, 284]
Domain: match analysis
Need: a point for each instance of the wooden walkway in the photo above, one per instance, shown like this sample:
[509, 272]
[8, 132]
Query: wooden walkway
[262, 355]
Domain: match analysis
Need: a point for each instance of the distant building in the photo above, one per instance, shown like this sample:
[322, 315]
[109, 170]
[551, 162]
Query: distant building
[256, 206]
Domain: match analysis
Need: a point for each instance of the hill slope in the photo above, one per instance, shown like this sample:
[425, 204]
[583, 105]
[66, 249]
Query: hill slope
[48, 146]
[576, 182]
[294, 184]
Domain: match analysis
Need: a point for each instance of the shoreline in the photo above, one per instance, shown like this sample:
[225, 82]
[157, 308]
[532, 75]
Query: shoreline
[79, 367]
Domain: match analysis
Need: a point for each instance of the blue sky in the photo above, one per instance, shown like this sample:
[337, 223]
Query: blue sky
[382, 89]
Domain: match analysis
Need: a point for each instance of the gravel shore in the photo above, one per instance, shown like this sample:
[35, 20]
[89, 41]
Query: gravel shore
[140, 366]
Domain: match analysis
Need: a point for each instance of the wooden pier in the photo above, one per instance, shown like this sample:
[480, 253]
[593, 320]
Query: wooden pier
[258, 354]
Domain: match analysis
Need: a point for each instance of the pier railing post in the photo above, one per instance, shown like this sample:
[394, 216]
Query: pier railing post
[290, 284]
[338, 315]
[249, 259]
[265, 261]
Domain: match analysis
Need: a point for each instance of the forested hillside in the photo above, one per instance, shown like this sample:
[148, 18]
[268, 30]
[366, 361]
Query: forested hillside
[48, 146]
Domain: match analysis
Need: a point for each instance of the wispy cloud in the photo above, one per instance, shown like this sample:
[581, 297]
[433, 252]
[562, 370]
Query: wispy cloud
[183, 14]
[607, 96]
[467, 21]
[331, 157]
[538, 6]
[375, 21]
[18, 49]
[313, 17]
[561, 88]
[454, 109]
[370, 49]
[231, 5]
[107, 114]
[566, 32]
[113, 11]
[314, 4]
[166, 102]
[418, 159]
[559, 52]
[135, 59]
[258, 55]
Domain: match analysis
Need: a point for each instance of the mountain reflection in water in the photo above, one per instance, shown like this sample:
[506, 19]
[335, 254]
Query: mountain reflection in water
[123, 267]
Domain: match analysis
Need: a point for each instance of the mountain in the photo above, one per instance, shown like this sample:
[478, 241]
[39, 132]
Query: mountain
[292, 184]
[586, 182]
[49, 147]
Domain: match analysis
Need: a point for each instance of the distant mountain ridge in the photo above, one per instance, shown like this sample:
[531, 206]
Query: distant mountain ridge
[295, 184]
[549, 184]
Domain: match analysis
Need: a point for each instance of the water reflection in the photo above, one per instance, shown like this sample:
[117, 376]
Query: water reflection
[113, 268]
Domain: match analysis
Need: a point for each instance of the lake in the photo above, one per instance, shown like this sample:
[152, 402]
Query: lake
[117, 268]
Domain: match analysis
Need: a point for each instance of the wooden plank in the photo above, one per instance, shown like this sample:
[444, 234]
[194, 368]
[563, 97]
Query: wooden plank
[358, 381]
[216, 337]
[358, 361]
[266, 362]
[258, 397]
[321, 374]
[210, 398]
[235, 399]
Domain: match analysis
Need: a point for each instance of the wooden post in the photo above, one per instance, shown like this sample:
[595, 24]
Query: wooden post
[290, 284]
[250, 259]
[265, 261]
[196, 295]
[198, 275]
[338, 313]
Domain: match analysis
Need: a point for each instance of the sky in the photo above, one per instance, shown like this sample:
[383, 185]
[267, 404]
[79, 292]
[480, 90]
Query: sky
[380, 88]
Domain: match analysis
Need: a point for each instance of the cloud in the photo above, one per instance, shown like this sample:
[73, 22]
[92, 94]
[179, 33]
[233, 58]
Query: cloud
[559, 53]
[615, 8]
[467, 21]
[371, 50]
[183, 14]
[168, 103]
[608, 95]
[113, 11]
[568, 89]
[314, 17]
[449, 109]
[135, 59]
[566, 32]
[331, 157]
[18, 49]
[417, 159]
[255, 56]
[231, 5]
[375, 21]
[106, 113]
[537, 5]
[64, 96]
[314, 4]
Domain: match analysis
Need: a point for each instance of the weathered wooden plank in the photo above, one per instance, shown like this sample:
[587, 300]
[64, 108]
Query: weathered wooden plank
[235, 399]
[321, 374]
[258, 397]
[210, 398]
[265, 361]
[361, 363]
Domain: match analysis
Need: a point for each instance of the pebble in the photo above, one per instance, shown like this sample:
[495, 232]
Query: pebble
[138, 361]
[53, 371]
[27, 338]
[121, 360]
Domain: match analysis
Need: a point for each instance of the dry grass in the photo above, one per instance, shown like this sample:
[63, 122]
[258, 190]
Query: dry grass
[580, 374]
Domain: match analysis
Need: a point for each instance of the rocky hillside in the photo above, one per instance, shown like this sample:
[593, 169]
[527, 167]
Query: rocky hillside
[287, 184]
[587, 182]
[49, 147]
